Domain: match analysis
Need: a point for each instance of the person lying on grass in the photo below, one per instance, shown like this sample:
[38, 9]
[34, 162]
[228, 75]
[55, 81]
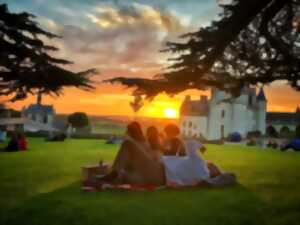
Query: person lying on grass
[141, 162]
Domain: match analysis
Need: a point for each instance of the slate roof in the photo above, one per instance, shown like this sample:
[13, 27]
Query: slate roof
[261, 95]
[39, 109]
[195, 108]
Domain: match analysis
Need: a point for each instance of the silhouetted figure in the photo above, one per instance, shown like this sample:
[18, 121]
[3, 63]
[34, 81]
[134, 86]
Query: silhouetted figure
[135, 163]
[272, 144]
[22, 142]
[154, 142]
[2, 136]
[173, 145]
[57, 137]
[293, 144]
[113, 139]
[13, 144]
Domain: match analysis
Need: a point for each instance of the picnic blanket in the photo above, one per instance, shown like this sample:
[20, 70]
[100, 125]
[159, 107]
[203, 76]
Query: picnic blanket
[91, 174]
[92, 185]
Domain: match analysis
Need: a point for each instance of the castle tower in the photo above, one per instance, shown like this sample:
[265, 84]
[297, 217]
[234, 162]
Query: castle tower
[39, 98]
[261, 111]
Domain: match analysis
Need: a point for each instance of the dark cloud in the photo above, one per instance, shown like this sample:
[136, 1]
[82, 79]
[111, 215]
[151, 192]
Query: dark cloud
[120, 41]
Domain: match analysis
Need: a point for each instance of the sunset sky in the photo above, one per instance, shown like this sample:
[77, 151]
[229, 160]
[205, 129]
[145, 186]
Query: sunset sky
[123, 38]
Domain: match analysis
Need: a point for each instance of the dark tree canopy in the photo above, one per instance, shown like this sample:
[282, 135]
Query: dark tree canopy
[255, 42]
[137, 103]
[25, 63]
[78, 120]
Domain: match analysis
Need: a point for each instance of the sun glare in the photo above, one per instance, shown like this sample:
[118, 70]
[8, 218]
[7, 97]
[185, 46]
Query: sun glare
[170, 113]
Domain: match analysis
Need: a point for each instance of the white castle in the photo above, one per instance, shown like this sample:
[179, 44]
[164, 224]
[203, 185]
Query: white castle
[223, 115]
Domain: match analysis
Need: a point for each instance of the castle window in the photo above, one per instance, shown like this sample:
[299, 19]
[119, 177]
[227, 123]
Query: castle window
[223, 113]
[190, 124]
[45, 119]
[184, 123]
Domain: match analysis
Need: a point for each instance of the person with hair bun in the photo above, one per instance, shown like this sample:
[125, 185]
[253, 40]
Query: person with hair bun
[173, 145]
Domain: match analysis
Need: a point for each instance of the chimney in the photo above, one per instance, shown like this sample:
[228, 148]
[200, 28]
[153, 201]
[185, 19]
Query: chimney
[39, 98]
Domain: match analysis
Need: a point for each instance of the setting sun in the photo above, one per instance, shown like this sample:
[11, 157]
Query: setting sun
[170, 113]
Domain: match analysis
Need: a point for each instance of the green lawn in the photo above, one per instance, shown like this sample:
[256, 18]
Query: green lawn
[42, 186]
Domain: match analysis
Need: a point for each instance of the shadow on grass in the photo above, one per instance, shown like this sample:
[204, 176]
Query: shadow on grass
[68, 205]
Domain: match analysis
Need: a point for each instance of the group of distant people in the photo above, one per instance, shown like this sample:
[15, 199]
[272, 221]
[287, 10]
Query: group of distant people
[161, 159]
[293, 144]
[17, 142]
[56, 137]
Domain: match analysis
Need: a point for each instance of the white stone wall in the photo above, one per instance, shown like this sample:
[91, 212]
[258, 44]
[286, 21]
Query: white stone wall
[230, 117]
[193, 126]
[239, 119]
[50, 119]
[261, 116]
[213, 122]
[219, 115]
[40, 118]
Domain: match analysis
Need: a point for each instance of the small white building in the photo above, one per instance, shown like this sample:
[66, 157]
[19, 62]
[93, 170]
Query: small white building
[39, 113]
[223, 115]
[39, 117]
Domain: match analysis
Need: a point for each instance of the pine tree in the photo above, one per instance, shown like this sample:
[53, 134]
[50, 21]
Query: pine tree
[254, 42]
[26, 66]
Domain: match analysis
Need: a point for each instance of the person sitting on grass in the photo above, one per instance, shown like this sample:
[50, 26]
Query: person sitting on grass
[13, 145]
[191, 169]
[56, 137]
[2, 136]
[173, 145]
[135, 163]
[139, 163]
[155, 142]
[293, 144]
[22, 142]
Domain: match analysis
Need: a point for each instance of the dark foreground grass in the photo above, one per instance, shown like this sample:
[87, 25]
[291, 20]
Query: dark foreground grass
[42, 187]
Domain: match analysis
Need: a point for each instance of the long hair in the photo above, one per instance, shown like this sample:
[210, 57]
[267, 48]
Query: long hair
[172, 130]
[153, 138]
[134, 130]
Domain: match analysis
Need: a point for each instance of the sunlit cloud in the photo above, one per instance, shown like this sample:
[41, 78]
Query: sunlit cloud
[135, 15]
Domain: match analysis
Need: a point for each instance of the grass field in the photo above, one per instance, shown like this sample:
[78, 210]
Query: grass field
[42, 187]
[108, 127]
